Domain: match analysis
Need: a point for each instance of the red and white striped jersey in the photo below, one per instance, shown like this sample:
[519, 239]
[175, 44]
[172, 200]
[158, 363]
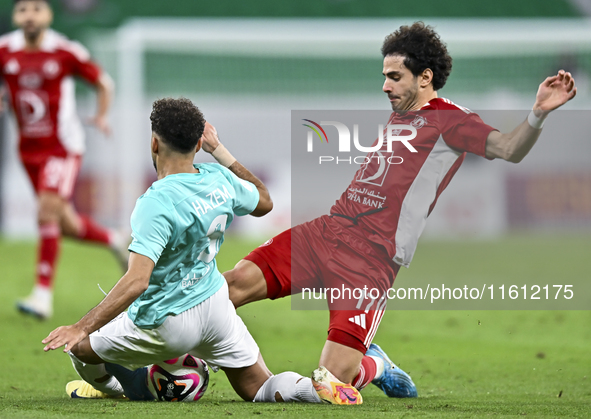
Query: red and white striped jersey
[391, 202]
[41, 87]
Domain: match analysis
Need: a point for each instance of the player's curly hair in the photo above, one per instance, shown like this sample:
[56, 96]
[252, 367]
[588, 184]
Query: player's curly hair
[422, 48]
[178, 122]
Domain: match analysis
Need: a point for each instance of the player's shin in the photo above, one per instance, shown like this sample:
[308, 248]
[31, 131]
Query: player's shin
[97, 376]
[287, 387]
[49, 246]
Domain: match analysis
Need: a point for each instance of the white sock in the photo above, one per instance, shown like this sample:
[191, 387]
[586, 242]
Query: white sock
[44, 294]
[97, 376]
[379, 365]
[288, 387]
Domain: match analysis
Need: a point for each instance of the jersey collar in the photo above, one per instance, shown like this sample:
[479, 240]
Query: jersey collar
[48, 44]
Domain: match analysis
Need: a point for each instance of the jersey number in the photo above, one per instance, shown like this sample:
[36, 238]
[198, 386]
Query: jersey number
[214, 233]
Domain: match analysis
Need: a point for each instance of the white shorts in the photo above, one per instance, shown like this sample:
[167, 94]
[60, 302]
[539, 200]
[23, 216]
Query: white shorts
[211, 331]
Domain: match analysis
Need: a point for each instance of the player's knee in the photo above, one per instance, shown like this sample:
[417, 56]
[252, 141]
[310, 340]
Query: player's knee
[83, 351]
[235, 279]
[50, 209]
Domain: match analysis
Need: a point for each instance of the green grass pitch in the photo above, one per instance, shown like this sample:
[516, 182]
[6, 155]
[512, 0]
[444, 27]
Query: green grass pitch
[465, 363]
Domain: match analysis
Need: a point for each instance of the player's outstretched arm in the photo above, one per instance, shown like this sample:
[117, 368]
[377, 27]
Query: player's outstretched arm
[554, 92]
[211, 144]
[104, 97]
[127, 290]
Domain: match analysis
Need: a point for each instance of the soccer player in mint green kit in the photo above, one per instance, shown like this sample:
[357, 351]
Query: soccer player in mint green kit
[178, 300]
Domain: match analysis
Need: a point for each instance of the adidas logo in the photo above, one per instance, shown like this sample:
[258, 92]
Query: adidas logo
[359, 320]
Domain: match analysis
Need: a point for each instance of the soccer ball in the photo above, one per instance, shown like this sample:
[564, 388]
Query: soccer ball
[183, 379]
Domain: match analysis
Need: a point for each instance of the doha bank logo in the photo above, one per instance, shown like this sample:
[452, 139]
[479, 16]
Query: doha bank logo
[402, 133]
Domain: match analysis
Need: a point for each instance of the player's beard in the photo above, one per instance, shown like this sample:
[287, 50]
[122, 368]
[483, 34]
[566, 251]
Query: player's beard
[410, 101]
[32, 33]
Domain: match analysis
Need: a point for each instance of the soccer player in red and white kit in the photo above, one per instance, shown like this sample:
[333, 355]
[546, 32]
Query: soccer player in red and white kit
[363, 245]
[38, 66]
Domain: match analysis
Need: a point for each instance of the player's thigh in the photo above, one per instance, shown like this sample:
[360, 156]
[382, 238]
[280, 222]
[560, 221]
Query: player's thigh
[357, 283]
[122, 342]
[247, 381]
[58, 175]
[246, 283]
[274, 261]
[225, 341]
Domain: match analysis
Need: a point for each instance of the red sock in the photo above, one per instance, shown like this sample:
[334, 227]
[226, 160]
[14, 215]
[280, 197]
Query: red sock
[49, 247]
[367, 373]
[92, 232]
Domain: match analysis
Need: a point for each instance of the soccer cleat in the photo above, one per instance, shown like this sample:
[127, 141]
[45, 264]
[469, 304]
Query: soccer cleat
[332, 391]
[394, 382]
[38, 304]
[80, 389]
[119, 244]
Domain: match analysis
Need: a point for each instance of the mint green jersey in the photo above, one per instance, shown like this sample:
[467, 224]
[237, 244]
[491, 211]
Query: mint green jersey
[179, 223]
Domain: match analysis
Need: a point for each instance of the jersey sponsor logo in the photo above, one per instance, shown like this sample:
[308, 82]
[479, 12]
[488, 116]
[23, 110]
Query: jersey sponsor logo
[51, 69]
[213, 200]
[189, 280]
[375, 173]
[359, 320]
[12, 67]
[32, 108]
[371, 198]
[30, 80]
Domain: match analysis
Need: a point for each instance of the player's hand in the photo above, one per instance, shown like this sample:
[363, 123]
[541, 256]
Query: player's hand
[554, 92]
[64, 335]
[102, 124]
[210, 138]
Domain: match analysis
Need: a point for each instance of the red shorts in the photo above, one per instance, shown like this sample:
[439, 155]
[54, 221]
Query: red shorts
[54, 174]
[331, 254]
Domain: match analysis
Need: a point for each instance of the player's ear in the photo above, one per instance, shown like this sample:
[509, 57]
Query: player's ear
[154, 145]
[199, 144]
[426, 77]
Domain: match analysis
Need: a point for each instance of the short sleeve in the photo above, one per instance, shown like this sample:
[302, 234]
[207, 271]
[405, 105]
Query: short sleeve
[151, 228]
[465, 131]
[81, 64]
[247, 195]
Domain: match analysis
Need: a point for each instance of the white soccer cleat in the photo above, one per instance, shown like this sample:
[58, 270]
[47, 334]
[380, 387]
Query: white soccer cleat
[331, 390]
[38, 304]
[119, 244]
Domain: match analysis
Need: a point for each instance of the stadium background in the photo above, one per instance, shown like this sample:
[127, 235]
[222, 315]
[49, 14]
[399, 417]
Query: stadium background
[248, 65]
[496, 220]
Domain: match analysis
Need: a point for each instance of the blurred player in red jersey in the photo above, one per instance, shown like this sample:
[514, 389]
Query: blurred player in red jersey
[38, 66]
[360, 244]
